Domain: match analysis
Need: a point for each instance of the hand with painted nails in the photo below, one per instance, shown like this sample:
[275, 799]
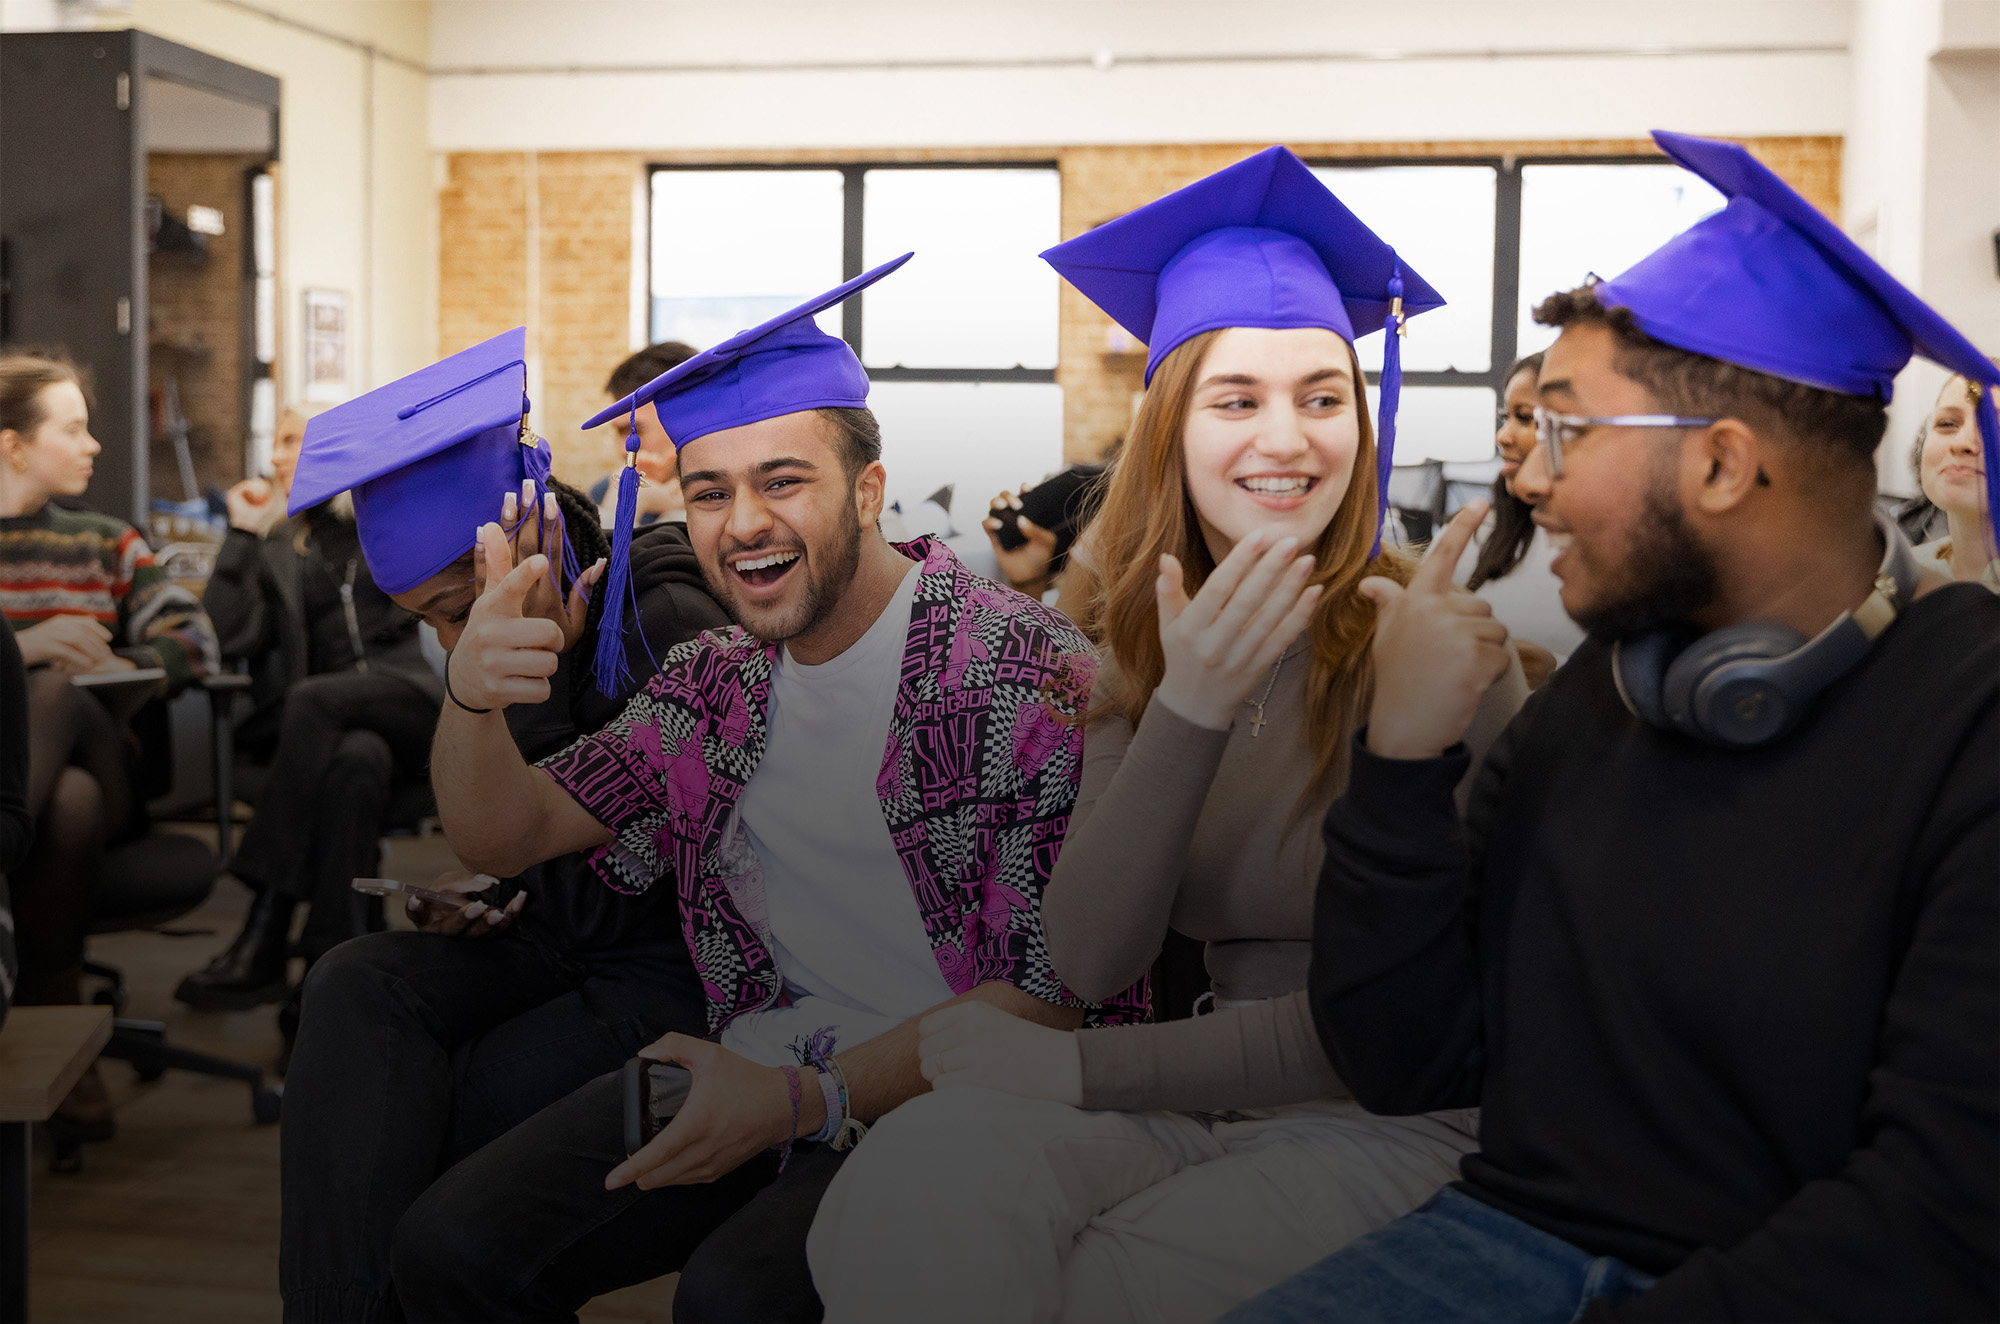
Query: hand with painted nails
[505, 656]
[1221, 645]
[476, 920]
[527, 540]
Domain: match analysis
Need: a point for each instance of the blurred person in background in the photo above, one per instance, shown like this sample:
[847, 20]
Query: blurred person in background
[1046, 519]
[82, 596]
[346, 707]
[1509, 558]
[660, 493]
[1953, 474]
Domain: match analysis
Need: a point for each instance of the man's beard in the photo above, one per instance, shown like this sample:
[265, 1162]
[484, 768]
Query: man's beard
[828, 571]
[1668, 575]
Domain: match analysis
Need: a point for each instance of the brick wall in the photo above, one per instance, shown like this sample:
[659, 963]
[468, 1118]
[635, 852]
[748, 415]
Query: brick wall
[546, 238]
[196, 320]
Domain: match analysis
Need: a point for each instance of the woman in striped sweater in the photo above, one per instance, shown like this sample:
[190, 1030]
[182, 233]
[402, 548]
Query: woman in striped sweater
[81, 594]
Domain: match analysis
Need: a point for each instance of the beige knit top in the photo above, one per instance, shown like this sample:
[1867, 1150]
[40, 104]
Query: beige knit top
[1176, 824]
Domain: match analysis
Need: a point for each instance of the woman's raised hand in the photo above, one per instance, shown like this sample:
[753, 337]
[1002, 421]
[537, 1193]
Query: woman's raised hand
[542, 599]
[1220, 647]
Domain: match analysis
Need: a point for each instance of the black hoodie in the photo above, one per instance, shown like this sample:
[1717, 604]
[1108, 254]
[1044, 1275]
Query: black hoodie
[569, 909]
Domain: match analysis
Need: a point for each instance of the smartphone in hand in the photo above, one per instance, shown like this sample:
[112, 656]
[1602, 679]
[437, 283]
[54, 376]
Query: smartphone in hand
[654, 1092]
[391, 887]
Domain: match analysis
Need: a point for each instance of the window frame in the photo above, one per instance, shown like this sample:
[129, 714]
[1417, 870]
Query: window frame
[853, 239]
[1504, 347]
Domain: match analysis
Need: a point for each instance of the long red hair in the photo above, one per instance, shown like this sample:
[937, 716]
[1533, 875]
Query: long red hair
[1147, 512]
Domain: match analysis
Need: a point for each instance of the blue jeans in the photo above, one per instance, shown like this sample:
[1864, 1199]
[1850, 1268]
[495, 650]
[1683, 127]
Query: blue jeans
[1453, 1259]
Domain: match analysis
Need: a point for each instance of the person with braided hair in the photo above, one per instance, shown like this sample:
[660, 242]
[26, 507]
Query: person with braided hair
[541, 982]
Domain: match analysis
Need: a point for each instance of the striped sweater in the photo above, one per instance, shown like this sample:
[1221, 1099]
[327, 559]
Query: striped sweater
[61, 562]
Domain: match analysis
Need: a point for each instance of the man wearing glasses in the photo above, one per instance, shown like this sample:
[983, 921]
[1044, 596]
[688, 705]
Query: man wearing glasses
[1715, 948]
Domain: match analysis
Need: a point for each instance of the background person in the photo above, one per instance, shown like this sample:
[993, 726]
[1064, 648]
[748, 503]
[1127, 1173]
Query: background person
[347, 706]
[660, 494]
[82, 595]
[1509, 558]
[1952, 470]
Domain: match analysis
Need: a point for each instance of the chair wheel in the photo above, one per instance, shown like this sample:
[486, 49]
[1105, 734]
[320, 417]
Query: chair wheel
[104, 997]
[149, 1074]
[65, 1155]
[267, 1102]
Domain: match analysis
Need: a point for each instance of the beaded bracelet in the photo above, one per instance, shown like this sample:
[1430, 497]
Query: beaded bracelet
[797, 1091]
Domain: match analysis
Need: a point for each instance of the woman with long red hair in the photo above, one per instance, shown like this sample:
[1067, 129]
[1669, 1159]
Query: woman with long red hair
[1169, 1171]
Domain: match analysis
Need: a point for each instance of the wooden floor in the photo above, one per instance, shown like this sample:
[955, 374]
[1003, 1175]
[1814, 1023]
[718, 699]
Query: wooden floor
[177, 1218]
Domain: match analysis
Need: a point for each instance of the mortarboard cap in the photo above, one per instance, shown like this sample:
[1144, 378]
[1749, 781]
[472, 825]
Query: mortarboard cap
[1262, 243]
[1770, 284]
[785, 366]
[428, 458]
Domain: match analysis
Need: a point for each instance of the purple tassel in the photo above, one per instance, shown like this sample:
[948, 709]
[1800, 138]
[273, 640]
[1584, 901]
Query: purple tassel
[611, 671]
[1391, 390]
[1989, 445]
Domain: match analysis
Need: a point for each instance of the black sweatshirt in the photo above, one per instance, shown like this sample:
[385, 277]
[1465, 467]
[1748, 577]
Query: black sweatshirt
[1732, 1016]
[569, 908]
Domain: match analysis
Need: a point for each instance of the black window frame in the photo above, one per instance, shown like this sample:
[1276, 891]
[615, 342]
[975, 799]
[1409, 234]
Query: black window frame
[1504, 345]
[853, 238]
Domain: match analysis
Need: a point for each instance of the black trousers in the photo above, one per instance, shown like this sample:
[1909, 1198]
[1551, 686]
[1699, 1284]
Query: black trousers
[345, 740]
[414, 1050]
[524, 1229]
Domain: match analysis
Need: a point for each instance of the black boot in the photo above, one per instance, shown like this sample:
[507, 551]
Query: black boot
[288, 1024]
[252, 972]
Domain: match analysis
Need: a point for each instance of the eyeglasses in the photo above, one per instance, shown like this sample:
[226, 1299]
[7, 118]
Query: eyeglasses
[1554, 431]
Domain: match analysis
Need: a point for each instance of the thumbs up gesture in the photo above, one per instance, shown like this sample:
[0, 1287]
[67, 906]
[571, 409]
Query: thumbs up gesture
[1437, 649]
[505, 655]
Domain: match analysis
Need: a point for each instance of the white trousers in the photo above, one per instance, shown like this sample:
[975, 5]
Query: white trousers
[974, 1205]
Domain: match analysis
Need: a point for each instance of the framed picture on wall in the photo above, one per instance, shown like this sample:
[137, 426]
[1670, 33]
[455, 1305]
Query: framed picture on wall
[326, 341]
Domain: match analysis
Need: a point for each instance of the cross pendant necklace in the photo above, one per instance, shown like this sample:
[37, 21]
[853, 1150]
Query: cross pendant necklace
[1257, 719]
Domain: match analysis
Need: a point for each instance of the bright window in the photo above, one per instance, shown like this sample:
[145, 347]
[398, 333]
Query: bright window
[976, 295]
[1577, 220]
[960, 345]
[1439, 219]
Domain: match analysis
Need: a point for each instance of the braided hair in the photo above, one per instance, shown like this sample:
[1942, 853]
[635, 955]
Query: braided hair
[584, 529]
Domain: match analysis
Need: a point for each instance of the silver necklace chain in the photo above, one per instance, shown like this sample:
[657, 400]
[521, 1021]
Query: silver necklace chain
[1257, 718]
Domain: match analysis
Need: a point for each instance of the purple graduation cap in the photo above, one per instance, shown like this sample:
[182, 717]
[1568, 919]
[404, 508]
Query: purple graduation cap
[428, 458]
[1262, 243]
[1769, 283]
[785, 366]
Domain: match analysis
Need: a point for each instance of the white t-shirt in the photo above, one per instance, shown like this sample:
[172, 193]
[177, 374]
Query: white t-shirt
[845, 929]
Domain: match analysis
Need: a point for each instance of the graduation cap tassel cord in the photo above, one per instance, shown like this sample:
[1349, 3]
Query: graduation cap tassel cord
[610, 670]
[1390, 392]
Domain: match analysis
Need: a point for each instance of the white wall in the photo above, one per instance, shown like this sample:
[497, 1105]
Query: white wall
[647, 74]
[336, 172]
[1921, 187]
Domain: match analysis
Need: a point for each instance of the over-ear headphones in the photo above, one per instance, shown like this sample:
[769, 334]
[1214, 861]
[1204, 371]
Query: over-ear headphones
[1748, 684]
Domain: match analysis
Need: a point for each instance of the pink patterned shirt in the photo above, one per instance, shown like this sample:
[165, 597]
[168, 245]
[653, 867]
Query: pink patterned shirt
[975, 785]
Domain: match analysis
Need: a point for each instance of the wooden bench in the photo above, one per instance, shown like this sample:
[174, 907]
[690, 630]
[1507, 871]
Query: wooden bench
[42, 1052]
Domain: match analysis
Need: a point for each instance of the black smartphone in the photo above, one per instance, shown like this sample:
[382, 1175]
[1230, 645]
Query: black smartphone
[654, 1092]
[1056, 504]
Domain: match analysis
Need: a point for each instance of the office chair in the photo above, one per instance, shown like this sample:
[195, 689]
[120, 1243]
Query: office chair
[149, 882]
